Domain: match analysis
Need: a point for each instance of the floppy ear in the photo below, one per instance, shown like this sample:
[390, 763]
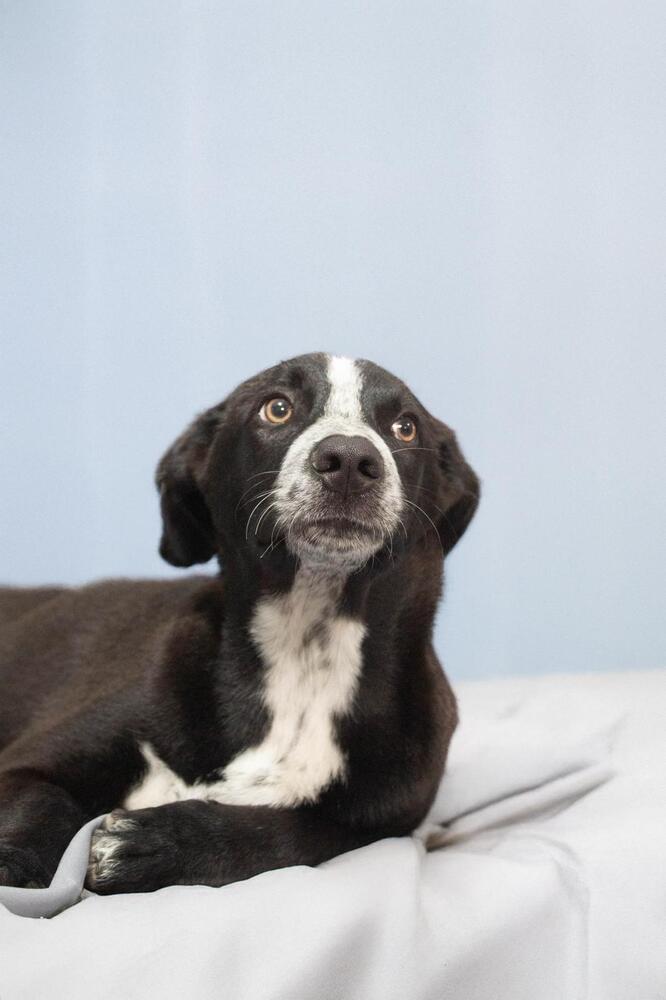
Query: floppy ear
[188, 535]
[460, 488]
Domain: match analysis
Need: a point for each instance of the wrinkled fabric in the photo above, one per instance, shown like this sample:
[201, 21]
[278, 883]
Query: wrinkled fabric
[545, 877]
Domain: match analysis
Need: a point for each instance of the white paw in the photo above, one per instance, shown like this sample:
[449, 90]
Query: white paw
[104, 846]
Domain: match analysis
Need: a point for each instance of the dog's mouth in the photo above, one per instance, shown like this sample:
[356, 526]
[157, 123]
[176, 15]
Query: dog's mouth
[340, 525]
[320, 528]
[341, 538]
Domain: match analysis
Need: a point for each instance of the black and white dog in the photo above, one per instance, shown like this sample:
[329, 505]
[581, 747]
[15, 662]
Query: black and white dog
[282, 712]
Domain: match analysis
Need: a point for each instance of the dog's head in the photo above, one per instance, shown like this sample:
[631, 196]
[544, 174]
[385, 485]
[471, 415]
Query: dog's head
[332, 460]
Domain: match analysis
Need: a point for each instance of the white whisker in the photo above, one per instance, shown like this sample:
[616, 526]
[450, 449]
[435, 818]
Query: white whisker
[263, 500]
[263, 515]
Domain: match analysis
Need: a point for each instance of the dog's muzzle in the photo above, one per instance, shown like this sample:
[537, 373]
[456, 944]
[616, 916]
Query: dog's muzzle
[339, 496]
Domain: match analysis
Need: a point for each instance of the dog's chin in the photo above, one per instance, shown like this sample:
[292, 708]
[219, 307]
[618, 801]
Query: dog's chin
[336, 542]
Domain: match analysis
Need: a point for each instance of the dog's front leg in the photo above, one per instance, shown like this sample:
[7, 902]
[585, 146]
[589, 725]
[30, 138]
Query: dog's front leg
[205, 843]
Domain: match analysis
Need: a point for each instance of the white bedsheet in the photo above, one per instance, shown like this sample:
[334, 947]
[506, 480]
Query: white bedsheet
[551, 882]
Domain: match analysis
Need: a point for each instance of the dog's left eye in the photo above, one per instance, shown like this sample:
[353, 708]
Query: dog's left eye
[276, 411]
[404, 428]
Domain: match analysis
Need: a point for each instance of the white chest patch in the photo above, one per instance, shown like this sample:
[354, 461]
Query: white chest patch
[313, 662]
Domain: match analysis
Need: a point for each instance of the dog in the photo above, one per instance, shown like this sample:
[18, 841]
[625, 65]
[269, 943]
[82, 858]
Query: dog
[281, 712]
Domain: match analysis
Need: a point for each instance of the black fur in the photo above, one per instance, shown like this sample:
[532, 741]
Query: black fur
[86, 674]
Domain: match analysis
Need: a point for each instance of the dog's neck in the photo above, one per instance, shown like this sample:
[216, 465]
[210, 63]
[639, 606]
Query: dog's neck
[302, 598]
[303, 615]
[314, 590]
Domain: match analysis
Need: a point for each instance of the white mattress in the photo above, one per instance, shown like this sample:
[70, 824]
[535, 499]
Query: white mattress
[549, 881]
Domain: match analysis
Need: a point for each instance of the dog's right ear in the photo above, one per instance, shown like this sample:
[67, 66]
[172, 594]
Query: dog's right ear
[188, 535]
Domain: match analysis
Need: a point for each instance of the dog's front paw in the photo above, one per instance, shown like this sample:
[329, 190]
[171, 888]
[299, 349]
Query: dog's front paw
[131, 852]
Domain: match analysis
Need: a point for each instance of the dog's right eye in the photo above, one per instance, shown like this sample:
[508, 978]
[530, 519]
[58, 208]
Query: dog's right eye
[276, 411]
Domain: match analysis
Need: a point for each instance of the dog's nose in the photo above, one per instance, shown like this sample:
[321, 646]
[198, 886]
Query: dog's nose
[347, 464]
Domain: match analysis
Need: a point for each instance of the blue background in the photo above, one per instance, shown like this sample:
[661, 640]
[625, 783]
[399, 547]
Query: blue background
[471, 194]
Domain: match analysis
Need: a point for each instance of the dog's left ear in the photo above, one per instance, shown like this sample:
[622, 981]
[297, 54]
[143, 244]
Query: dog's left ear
[188, 535]
[460, 488]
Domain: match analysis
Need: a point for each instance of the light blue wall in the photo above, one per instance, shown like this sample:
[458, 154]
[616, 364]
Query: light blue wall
[471, 194]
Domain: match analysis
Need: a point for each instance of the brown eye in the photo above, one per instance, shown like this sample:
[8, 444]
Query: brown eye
[276, 411]
[404, 429]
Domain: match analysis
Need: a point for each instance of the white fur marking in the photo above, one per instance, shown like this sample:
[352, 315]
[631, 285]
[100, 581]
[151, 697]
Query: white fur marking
[344, 399]
[313, 662]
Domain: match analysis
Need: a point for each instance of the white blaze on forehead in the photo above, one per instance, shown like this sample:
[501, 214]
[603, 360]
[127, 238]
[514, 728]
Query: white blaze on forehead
[344, 400]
